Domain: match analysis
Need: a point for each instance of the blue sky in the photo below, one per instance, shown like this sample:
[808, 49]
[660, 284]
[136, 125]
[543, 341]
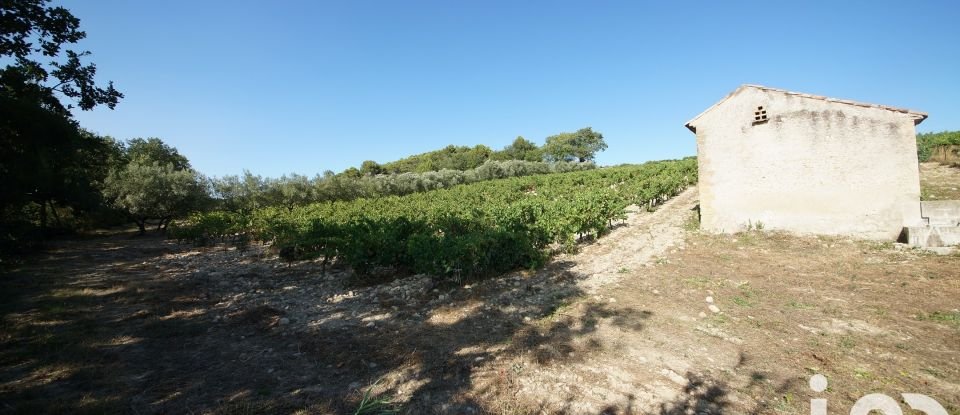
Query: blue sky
[307, 86]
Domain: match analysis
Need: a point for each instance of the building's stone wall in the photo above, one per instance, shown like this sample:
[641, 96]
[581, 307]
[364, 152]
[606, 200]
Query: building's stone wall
[814, 166]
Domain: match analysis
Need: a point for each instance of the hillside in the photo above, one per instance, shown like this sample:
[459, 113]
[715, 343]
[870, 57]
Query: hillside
[939, 181]
[456, 158]
[653, 318]
[578, 146]
[450, 157]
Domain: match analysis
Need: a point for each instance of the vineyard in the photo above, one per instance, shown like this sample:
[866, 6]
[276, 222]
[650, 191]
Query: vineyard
[464, 231]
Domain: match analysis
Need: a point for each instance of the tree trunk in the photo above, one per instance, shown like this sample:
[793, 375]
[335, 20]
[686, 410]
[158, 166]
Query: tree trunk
[56, 217]
[142, 224]
[43, 217]
[162, 223]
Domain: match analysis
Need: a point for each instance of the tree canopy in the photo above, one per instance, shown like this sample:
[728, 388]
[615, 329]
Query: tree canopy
[155, 151]
[582, 145]
[370, 167]
[579, 146]
[30, 31]
[46, 159]
[155, 182]
[520, 149]
[450, 157]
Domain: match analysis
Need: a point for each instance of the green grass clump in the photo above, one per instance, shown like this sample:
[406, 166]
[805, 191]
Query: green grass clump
[947, 317]
[375, 404]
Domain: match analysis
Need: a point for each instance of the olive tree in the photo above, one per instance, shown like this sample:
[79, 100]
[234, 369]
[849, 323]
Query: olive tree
[582, 145]
[155, 183]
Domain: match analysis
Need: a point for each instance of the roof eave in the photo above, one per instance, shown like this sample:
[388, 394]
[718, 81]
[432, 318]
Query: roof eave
[690, 125]
[918, 117]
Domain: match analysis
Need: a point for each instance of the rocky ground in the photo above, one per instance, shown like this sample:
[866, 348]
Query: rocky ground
[653, 318]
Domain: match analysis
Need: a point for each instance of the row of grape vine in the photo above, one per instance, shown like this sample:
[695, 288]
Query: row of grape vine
[469, 230]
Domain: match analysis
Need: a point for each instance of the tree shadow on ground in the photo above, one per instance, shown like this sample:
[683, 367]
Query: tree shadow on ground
[439, 357]
[705, 395]
[102, 326]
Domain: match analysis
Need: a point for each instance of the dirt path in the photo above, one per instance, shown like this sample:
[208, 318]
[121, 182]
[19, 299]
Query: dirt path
[620, 362]
[644, 236]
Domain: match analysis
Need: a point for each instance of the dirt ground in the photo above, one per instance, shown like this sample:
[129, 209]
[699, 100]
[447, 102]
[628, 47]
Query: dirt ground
[939, 181]
[653, 318]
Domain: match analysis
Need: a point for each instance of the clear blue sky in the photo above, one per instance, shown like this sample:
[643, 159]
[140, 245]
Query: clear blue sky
[281, 87]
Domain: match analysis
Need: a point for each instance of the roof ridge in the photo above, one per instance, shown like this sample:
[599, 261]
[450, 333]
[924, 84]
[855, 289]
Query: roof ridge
[838, 100]
[917, 115]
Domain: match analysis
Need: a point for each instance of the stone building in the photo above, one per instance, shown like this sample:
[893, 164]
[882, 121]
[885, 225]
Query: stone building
[782, 160]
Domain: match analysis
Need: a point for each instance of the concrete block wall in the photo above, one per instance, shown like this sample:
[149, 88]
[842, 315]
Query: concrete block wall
[941, 212]
[932, 236]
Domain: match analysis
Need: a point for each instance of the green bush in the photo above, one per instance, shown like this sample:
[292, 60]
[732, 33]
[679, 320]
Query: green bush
[205, 228]
[926, 142]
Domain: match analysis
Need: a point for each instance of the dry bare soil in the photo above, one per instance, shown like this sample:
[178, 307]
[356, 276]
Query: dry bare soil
[939, 181]
[654, 318]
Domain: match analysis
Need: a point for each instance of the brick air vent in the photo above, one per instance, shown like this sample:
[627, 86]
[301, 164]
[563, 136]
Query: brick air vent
[760, 115]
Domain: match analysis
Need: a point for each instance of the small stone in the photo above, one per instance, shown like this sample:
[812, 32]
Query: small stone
[702, 314]
[527, 318]
[710, 300]
[284, 321]
[714, 308]
[354, 385]
[657, 292]
[372, 365]
[270, 370]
